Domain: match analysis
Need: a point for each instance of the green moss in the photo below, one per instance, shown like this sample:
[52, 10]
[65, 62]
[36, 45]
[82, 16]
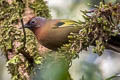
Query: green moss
[12, 38]
[96, 30]
[40, 8]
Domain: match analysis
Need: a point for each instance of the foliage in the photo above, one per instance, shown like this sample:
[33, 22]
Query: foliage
[99, 25]
[40, 9]
[112, 77]
[54, 67]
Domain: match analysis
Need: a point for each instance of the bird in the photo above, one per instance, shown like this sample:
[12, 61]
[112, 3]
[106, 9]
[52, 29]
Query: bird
[52, 33]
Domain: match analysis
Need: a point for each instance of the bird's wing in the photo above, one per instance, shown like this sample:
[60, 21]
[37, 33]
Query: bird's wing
[65, 23]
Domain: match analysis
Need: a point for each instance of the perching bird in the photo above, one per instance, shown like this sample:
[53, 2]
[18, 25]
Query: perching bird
[52, 33]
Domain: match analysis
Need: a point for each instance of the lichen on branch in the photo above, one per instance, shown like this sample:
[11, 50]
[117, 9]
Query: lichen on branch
[98, 29]
[20, 59]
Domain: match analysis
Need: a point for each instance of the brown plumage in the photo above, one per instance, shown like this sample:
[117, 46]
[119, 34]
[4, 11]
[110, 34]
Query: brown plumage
[52, 33]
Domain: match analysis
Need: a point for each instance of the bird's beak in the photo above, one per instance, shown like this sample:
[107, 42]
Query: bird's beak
[25, 26]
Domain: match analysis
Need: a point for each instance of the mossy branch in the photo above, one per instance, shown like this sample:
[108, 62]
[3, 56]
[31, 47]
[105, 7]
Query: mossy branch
[100, 29]
[20, 50]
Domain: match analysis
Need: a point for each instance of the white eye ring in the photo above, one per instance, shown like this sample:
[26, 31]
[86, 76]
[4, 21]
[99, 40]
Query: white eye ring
[33, 22]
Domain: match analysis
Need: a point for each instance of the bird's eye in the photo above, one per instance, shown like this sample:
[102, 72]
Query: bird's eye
[32, 22]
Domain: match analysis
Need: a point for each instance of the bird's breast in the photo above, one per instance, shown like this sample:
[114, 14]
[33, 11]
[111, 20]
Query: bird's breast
[52, 39]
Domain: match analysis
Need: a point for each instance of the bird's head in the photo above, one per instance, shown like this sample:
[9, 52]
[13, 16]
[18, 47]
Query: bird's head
[35, 22]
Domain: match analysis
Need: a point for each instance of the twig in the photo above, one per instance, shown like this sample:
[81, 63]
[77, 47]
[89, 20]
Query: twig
[23, 32]
[21, 20]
